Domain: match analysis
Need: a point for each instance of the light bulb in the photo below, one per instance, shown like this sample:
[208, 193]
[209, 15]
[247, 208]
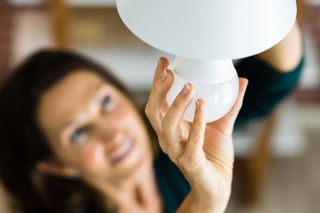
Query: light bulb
[216, 82]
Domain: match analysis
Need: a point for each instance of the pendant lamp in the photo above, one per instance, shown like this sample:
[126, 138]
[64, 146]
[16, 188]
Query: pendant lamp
[205, 36]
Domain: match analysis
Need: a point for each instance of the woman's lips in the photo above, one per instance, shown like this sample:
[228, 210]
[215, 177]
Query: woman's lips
[122, 152]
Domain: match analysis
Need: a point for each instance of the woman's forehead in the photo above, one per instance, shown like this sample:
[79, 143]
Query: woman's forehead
[69, 97]
[75, 87]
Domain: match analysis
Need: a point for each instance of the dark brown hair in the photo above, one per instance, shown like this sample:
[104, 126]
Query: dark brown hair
[22, 143]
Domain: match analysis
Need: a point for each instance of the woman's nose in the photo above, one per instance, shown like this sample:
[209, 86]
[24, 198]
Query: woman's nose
[111, 132]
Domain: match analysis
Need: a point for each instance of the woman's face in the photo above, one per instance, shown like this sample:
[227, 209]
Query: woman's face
[93, 128]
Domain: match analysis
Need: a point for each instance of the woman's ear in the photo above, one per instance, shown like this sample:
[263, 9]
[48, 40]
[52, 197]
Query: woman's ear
[55, 169]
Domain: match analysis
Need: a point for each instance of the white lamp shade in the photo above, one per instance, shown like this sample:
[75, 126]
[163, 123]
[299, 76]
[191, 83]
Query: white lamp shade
[209, 29]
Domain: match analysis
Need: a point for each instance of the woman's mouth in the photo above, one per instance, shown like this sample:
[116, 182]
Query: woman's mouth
[122, 151]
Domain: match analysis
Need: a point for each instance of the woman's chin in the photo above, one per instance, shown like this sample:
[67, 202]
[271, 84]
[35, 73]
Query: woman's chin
[136, 164]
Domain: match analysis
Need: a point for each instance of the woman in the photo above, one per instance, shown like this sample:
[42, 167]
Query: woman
[72, 138]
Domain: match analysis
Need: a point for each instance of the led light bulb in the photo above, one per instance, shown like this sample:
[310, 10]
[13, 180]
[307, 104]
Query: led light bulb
[215, 81]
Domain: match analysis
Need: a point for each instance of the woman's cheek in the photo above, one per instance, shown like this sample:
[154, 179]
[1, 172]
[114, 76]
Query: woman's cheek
[94, 161]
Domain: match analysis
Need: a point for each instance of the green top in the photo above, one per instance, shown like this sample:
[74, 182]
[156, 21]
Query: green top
[172, 184]
[266, 89]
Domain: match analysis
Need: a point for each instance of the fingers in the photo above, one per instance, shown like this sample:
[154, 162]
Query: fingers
[196, 136]
[163, 80]
[231, 116]
[226, 123]
[233, 113]
[165, 121]
[162, 65]
[192, 159]
[176, 112]
[172, 120]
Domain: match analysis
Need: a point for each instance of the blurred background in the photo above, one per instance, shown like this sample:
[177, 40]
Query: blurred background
[278, 158]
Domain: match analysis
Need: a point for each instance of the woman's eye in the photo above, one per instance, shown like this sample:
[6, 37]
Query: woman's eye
[79, 136]
[107, 103]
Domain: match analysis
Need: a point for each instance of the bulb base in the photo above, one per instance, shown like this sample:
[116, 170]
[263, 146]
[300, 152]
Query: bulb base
[219, 93]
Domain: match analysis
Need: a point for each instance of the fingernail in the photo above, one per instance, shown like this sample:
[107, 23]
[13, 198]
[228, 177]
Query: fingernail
[185, 89]
[160, 61]
[197, 105]
[164, 75]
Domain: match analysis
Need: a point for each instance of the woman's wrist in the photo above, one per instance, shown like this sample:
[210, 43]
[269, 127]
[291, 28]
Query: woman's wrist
[217, 203]
[197, 201]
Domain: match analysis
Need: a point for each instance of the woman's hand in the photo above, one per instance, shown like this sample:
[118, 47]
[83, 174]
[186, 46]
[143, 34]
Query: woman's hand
[203, 152]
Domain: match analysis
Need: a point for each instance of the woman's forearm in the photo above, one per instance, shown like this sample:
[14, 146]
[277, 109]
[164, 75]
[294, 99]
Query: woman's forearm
[287, 54]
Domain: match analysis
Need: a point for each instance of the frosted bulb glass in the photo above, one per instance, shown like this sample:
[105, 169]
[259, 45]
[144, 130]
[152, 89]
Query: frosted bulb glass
[219, 96]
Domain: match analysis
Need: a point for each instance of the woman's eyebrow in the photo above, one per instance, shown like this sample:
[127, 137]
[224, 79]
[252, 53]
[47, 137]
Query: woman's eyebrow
[74, 122]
